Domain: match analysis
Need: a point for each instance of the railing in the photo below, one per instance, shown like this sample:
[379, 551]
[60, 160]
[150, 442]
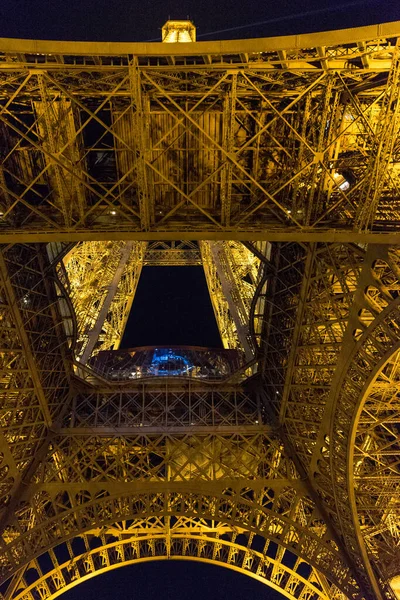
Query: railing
[167, 361]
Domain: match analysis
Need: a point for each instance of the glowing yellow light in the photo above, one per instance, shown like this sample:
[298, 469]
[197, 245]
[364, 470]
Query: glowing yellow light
[395, 584]
[178, 31]
[341, 181]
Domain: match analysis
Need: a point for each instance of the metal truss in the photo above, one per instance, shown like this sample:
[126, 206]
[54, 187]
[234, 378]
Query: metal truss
[35, 371]
[225, 322]
[172, 254]
[333, 389]
[246, 140]
[174, 449]
[153, 539]
[291, 476]
[101, 279]
[375, 457]
[93, 477]
[232, 273]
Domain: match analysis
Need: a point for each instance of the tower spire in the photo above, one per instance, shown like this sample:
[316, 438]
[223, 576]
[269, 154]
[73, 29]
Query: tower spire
[178, 31]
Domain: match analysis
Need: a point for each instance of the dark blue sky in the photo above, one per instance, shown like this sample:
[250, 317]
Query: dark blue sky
[133, 20]
[172, 580]
[172, 306]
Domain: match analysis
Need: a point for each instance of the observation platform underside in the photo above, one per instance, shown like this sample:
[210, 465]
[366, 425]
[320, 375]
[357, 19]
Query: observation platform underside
[289, 138]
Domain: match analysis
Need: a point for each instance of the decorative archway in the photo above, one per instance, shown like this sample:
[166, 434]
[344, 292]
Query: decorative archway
[373, 456]
[277, 524]
[347, 326]
[84, 558]
[363, 428]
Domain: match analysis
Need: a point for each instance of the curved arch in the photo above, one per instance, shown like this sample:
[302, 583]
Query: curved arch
[375, 347]
[297, 581]
[383, 482]
[294, 525]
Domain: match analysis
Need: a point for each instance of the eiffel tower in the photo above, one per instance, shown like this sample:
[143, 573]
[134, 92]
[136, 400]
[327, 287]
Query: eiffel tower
[275, 165]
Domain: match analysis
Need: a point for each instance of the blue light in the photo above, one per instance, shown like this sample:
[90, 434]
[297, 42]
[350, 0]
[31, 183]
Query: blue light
[166, 362]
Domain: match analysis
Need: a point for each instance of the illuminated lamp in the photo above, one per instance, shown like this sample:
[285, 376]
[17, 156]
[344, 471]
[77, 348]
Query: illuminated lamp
[344, 180]
[178, 31]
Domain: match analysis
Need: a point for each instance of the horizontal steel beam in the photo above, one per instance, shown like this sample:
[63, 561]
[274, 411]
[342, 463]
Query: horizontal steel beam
[327, 236]
[289, 42]
[167, 430]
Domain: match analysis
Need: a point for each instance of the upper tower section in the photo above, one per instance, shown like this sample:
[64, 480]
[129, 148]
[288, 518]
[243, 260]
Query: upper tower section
[276, 139]
[178, 31]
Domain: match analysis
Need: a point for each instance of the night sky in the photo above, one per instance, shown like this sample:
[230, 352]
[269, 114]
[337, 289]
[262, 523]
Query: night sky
[172, 306]
[160, 315]
[172, 580]
[133, 20]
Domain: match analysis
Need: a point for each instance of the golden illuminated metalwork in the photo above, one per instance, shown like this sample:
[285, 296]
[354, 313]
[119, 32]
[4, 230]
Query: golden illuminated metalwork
[245, 139]
[123, 545]
[172, 254]
[102, 279]
[275, 164]
[178, 31]
[232, 273]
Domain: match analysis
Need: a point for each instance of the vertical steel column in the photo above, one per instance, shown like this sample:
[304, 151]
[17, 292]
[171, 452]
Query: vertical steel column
[228, 123]
[233, 296]
[142, 145]
[382, 150]
[95, 332]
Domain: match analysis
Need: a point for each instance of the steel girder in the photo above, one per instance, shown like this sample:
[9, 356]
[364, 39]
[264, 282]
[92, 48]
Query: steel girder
[244, 141]
[232, 273]
[174, 451]
[114, 448]
[172, 254]
[332, 387]
[156, 539]
[115, 142]
[36, 317]
[101, 279]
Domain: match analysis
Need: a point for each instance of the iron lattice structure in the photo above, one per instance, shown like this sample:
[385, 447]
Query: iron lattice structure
[274, 164]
